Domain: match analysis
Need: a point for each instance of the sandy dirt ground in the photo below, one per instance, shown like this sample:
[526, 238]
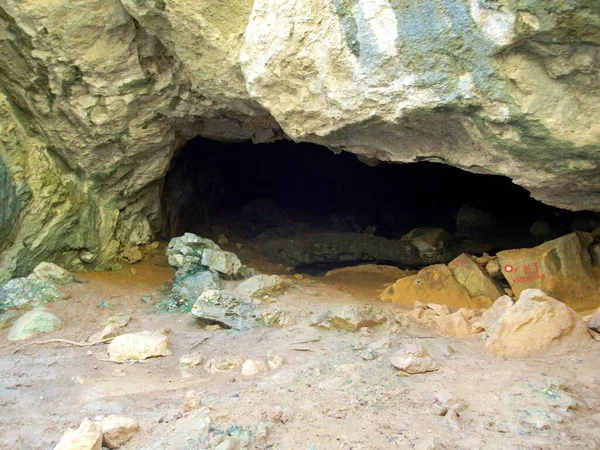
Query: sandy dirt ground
[334, 390]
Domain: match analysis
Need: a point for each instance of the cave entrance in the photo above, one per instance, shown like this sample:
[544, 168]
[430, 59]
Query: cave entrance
[284, 190]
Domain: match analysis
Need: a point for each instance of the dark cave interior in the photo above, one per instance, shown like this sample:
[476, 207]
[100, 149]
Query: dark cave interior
[256, 187]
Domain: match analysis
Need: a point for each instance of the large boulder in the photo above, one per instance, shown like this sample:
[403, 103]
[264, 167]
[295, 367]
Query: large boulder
[537, 323]
[188, 287]
[53, 273]
[259, 286]
[223, 309]
[34, 323]
[434, 244]
[474, 222]
[491, 316]
[29, 292]
[314, 248]
[476, 280]
[562, 268]
[433, 284]
[189, 253]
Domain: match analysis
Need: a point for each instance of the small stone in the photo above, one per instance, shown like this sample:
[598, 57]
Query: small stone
[191, 402]
[34, 323]
[120, 320]
[369, 355]
[190, 361]
[238, 245]
[87, 437]
[454, 325]
[440, 310]
[509, 292]
[111, 330]
[260, 285]
[274, 361]
[253, 367]
[116, 430]
[222, 239]
[276, 317]
[132, 254]
[221, 365]
[138, 346]
[153, 246]
[133, 271]
[493, 269]
[484, 259]
[413, 359]
[351, 318]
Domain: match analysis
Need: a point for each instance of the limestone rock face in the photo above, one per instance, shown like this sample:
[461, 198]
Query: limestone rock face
[537, 323]
[562, 268]
[463, 82]
[92, 112]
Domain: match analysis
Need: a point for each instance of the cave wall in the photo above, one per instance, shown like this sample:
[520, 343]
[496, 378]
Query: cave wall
[96, 96]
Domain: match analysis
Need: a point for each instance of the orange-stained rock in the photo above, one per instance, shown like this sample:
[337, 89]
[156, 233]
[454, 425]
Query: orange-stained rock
[475, 279]
[562, 268]
[433, 284]
[537, 323]
[116, 430]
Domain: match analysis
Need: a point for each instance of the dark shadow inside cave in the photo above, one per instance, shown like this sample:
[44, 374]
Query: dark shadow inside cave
[285, 189]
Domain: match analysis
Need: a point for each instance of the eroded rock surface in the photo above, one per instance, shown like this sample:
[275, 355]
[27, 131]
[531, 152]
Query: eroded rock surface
[536, 323]
[562, 268]
[433, 284]
[91, 113]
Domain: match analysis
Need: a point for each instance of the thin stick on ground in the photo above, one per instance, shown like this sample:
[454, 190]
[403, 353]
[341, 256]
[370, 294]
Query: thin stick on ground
[204, 339]
[63, 341]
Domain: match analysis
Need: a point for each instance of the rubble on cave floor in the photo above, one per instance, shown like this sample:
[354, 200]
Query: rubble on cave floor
[265, 360]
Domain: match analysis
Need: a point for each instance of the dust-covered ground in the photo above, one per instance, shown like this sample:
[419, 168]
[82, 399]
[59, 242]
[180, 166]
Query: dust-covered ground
[334, 389]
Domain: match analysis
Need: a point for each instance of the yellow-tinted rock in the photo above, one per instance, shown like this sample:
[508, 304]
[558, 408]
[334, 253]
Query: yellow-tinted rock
[453, 325]
[116, 430]
[138, 346]
[562, 268]
[87, 437]
[537, 323]
[475, 279]
[433, 284]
